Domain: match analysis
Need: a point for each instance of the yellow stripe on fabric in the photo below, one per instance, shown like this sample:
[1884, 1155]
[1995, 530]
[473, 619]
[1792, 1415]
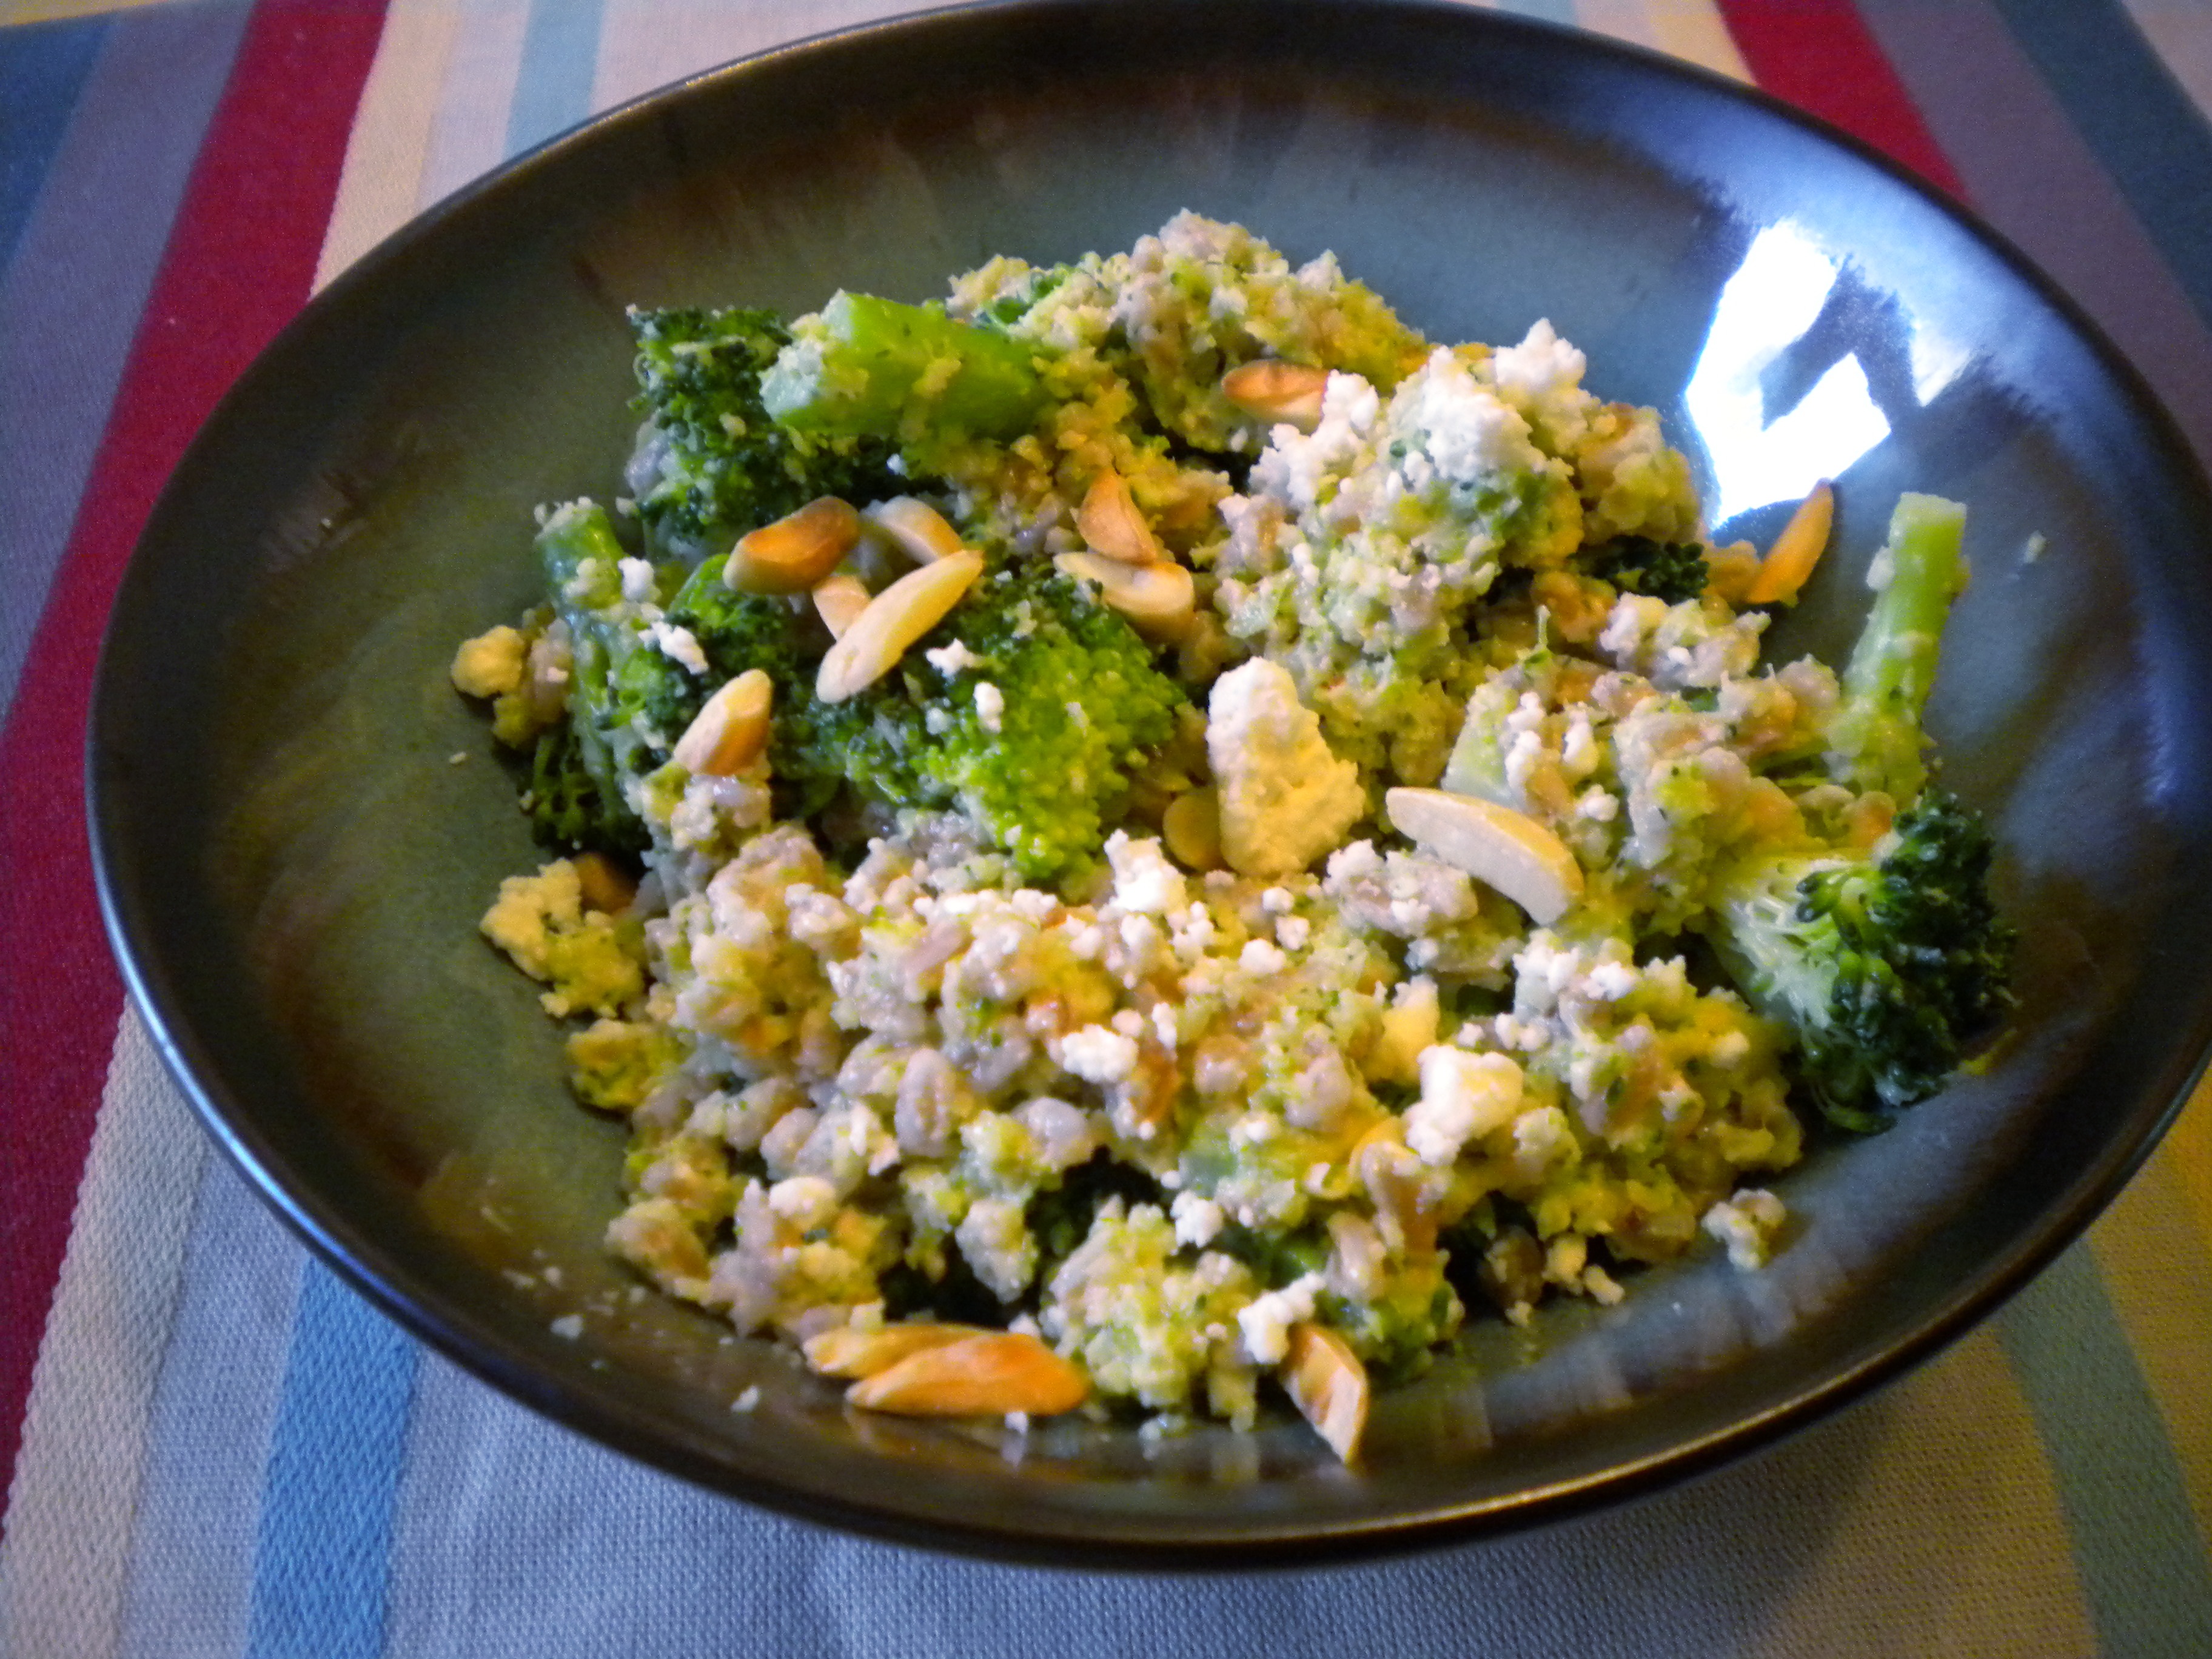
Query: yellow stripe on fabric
[1941, 1527]
[390, 143]
[1692, 30]
[47, 11]
[2187, 1150]
[2156, 1259]
[2180, 32]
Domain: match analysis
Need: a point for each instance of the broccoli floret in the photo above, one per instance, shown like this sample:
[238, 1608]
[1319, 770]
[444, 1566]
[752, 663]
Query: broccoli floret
[868, 368]
[1078, 701]
[567, 806]
[1874, 739]
[710, 464]
[580, 764]
[1885, 968]
[1673, 571]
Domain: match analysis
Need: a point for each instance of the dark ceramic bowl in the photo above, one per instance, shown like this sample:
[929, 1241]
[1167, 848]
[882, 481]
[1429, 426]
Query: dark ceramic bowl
[293, 868]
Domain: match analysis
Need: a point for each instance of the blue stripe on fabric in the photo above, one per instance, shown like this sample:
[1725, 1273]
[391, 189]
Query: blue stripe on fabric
[560, 61]
[43, 67]
[1548, 11]
[322, 1567]
[2136, 1544]
[71, 299]
[2143, 124]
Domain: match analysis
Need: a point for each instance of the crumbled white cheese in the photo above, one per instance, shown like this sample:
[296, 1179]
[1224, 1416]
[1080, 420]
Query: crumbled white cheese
[1465, 431]
[1144, 880]
[1197, 1220]
[1258, 957]
[1747, 1223]
[1098, 1054]
[990, 707]
[1265, 1321]
[954, 659]
[1286, 799]
[1611, 980]
[679, 644]
[1463, 1097]
[636, 580]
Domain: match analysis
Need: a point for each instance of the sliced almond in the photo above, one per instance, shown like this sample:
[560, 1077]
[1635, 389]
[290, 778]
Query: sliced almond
[874, 641]
[839, 600]
[796, 551]
[607, 887]
[1191, 827]
[1111, 525]
[1160, 600]
[1277, 392]
[1796, 551]
[729, 732]
[1329, 1385]
[847, 1351]
[1509, 850]
[915, 527]
[985, 1376]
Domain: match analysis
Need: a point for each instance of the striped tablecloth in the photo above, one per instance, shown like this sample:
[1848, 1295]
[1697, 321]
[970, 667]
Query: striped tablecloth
[213, 1449]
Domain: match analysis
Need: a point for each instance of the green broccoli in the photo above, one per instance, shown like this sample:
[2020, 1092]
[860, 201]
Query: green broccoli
[865, 368]
[1673, 571]
[1885, 968]
[710, 462]
[1078, 701]
[1874, 739]
[577, 773]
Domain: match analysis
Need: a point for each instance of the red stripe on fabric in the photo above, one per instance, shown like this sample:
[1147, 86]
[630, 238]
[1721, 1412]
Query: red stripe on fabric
[239, 261]
[1819, 56]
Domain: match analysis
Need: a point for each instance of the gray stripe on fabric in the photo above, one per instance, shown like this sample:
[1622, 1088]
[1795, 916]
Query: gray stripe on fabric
[2033, 177]
[72, 298]
[2137, 117]
[517, 1540]
[214, 1409]
[2136, 1545]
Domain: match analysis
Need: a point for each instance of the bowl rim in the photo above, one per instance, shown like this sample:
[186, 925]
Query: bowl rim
[403, 1295]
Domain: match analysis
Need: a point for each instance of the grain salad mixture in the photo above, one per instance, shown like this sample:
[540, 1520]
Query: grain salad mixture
[1145, 834]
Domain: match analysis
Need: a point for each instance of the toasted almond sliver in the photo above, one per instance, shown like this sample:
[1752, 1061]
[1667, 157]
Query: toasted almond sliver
[986, 1376]
[915, 527]
[1111, 525]
[838, 600]
[1329, 1385]
[847, 1351]
[1160, 600]
[875, 640]
[1191, 827]
[607, 886]
[796, 551]
[1277, 392]
[729, 732]
[1509, 850]
[1790, 561]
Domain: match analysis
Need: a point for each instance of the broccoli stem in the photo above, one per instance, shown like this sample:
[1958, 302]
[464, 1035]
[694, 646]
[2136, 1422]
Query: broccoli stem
[1875, 740]
[870, 368]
